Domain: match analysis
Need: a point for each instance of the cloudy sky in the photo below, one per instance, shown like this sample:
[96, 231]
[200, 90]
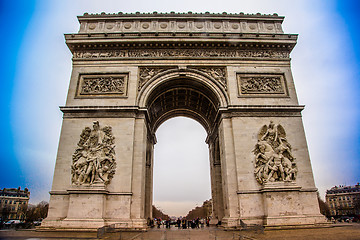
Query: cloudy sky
[36, 68]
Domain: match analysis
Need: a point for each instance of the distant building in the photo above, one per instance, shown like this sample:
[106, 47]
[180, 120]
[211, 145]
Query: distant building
[344, 200]
[13, 203]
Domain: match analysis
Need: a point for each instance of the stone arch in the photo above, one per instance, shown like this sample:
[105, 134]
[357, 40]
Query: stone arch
[183, 92]
[218, 89]
[193, 94]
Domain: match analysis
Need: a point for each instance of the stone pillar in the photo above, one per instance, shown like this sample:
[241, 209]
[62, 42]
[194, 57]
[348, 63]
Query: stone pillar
[214, 191]
[149, 179]
[216, 182]
[229, 174]
[137, 212]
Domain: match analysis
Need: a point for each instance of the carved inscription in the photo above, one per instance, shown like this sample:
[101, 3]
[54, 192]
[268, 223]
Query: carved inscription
[261, 84]
[274, 161]
[103, 85]
[180, 53]
[94, 158]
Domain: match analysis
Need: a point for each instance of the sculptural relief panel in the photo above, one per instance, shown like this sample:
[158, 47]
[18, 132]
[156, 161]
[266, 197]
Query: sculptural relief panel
[93, 161]
[102, 85]
[261, 85]
[215, 72]
[274, 161]
[148, 73]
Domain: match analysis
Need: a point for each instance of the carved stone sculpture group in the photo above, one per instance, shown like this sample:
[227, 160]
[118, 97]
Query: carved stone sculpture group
[274, 161]
[94, 157]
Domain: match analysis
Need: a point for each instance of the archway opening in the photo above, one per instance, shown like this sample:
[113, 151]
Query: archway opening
[195, 99]
[181, 166]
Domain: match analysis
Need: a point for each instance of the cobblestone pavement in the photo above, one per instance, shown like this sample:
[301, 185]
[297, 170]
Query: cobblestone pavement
[339, 231]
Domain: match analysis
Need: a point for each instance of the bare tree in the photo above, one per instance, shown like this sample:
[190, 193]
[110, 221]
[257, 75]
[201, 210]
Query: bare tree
[5, 212]
[38, 212]
[324, 208]
[158, 213]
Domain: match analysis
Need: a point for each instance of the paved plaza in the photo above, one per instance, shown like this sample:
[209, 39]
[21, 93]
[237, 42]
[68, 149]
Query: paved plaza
[338, 231]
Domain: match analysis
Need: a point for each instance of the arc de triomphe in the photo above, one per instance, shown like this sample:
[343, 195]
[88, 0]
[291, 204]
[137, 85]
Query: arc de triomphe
[230, 72]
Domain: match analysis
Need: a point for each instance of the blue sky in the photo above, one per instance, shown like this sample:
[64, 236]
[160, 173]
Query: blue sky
[36, 68]
[12, 37]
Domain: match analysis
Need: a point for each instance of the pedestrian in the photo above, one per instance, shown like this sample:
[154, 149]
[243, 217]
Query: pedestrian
[202, 223]
[158, 221]
[178, 222]
[184, 223]
[197, 222]
[168, 223]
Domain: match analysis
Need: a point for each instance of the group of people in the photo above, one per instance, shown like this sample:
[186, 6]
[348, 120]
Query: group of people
[179, 223]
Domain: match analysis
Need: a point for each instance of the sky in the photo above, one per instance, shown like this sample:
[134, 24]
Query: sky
[36, 67]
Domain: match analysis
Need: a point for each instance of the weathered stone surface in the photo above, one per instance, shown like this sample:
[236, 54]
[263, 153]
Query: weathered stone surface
[230, 72]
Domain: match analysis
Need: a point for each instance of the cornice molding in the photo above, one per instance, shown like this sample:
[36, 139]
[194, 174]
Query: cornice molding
[137, 112]
[183, 14]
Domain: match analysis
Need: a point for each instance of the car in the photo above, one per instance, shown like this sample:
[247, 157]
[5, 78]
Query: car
[356, 218]
[343, 219]
[37, 223]
[11, 222]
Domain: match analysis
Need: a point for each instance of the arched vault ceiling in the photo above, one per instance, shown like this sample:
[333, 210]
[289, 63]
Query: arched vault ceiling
[182, 97]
